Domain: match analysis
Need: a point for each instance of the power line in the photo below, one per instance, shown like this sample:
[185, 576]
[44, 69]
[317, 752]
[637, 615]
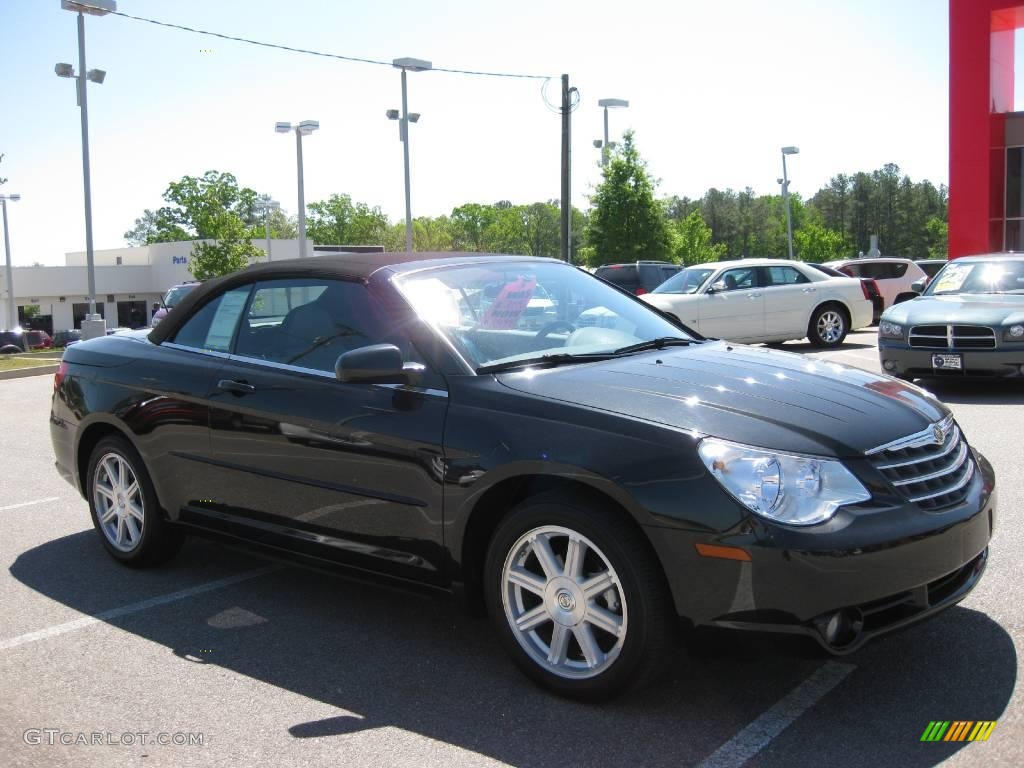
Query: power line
[309, 52]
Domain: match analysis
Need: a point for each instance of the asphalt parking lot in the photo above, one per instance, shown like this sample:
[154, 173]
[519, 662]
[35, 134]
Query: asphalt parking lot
[276, 665]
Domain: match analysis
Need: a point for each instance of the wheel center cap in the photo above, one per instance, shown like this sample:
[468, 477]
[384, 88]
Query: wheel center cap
[565, 601]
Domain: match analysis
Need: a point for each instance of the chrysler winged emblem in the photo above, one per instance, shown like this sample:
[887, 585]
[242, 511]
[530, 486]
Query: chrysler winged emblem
[938, 434]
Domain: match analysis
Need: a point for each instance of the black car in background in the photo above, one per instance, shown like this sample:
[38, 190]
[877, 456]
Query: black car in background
[867, 283]
[595, 484]
[638, 277]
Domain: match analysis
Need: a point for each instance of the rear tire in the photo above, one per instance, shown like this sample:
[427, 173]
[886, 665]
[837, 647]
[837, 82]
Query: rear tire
[828, 327]
[124, 506]
[589, 630]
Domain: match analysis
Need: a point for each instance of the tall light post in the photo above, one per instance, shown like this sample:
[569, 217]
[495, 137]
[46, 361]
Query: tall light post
[266, 205]
[607, 145]
[93, 326]
[304, 128]
[12, 307]
[785, 196]
[407, 64]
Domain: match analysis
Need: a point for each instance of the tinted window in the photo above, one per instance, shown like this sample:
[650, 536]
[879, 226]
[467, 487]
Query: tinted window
[625, 276]
[785, 276]
[854, 270]
[309, 323]
[653, 275]
[213, 326]
[739, 279]
[177, 293]
[897, 269]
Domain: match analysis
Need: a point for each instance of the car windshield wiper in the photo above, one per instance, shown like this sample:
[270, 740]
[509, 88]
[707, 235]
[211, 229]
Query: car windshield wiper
[659, 343]
[559, 358]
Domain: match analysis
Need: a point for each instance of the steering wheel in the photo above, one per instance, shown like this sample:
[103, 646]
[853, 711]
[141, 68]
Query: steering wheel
[554, 326]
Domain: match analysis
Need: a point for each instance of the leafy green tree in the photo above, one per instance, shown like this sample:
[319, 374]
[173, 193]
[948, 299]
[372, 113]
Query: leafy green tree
[692, 241]
[938, 238]
[813, 242]
[230, 252]
[469, 224]
[340, 221]
[626, 223]
[431, 235]
[195, 210]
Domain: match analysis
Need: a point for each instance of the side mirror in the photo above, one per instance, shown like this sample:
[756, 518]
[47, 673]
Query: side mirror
[376, 364]
[718, 287]
[918, 286]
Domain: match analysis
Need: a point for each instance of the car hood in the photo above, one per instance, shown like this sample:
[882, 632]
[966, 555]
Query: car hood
[982, 309]
[752, 395]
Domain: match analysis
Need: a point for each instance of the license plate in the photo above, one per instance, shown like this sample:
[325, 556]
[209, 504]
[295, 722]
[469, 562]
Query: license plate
[947, 362]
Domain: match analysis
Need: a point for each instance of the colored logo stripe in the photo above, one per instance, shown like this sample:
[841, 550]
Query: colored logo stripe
[958, 730]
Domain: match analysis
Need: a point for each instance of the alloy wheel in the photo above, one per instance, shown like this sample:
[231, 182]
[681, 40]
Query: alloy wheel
[830, 326]
[117, 497]
[564, 602]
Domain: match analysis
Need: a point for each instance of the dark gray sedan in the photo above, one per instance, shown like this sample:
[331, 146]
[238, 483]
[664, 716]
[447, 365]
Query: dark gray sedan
[968, 322]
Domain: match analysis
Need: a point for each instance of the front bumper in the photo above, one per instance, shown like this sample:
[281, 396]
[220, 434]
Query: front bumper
[872, 570]
[900, 359]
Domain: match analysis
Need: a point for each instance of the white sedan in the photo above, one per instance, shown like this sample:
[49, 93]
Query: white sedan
[765, 300]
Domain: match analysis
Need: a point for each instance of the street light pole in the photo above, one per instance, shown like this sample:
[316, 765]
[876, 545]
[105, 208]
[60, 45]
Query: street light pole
[268, 204]
[607, 145]
[785, 197]
[93, 8]
[12, 307]
[304, 128]
[407, 64]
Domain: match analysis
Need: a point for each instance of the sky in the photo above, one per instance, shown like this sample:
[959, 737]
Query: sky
[715, 89]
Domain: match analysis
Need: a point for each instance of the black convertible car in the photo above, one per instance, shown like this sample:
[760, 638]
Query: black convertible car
[596, 484]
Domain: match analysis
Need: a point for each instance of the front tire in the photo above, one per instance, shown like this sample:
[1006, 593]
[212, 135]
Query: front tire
[828, 327]
[124, 506]
[577, 597]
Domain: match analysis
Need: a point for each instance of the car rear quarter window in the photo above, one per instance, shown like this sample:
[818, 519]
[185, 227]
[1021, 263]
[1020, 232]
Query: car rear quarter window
[213, 325]
[898, 269]
[784, 276]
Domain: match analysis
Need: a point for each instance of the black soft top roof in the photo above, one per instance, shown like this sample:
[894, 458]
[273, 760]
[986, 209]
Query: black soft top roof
[346, 266]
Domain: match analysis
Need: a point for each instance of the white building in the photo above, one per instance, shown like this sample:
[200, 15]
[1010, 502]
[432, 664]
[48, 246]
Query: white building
[128, 282]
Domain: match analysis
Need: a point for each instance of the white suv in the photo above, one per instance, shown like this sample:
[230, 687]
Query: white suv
[893, 276]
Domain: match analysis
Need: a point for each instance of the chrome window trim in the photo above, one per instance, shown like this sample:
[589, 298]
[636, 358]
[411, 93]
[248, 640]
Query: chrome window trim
[916, 440]
[296, 368]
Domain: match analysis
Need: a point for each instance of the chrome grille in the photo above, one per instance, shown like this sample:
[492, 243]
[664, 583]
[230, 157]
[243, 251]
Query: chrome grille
[952, 337]
[931, 473]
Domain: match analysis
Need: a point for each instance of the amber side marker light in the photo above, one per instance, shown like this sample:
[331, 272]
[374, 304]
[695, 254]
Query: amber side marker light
[724, 553]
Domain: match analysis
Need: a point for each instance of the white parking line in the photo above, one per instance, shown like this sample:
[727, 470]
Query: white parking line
[29, 503]
[113, 613]
[760, 733]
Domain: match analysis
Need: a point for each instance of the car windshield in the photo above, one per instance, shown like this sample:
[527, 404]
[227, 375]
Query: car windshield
[995, 276]
[523, 311]
[176, 294]
[688, 281]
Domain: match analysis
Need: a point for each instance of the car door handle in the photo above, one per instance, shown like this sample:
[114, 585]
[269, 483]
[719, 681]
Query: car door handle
[810, 290]
[753, 295]
[235, 387]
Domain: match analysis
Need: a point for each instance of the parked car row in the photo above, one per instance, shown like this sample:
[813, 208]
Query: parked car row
[594, 484]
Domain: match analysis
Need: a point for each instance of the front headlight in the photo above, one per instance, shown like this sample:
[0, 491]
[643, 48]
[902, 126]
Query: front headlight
[796, 490]
[890, 329]
[1014, 333]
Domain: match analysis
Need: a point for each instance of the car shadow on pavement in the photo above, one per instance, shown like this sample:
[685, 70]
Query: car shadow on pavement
[976, 391]
[393, 659]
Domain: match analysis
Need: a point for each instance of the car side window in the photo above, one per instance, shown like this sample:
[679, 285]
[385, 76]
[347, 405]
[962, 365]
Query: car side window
[785, 276]
[213, 326]
[898, 269]
[739, 279]
[854, 270]
[310, 322]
